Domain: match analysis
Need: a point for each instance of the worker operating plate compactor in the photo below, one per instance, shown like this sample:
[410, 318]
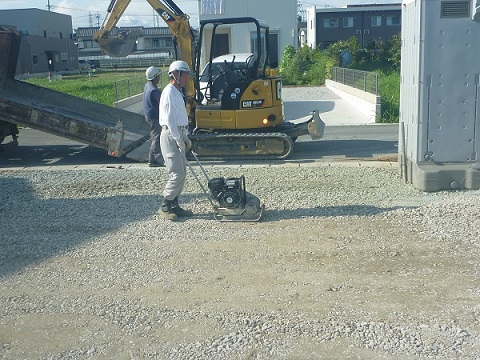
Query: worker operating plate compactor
[229, 197]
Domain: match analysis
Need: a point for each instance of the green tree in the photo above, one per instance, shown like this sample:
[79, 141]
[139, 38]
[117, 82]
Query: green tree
[304, 66]
[335, 50]
[393, 51]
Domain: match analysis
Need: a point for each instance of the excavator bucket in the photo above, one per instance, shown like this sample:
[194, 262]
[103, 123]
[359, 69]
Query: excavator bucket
[119, 45]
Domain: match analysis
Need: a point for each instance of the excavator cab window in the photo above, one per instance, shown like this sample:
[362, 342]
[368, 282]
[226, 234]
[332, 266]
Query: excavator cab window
[221, 71]
[224, 70]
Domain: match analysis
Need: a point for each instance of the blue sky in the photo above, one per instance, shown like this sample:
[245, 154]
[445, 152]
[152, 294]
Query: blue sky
[92, 12]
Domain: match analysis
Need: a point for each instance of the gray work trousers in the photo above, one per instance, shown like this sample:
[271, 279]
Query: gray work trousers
[175, 163]
[154, 154]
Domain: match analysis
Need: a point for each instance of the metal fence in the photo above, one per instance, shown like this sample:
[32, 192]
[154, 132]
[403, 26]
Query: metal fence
[134, 63]
[126, 88]
[362, 80]
[131, 61]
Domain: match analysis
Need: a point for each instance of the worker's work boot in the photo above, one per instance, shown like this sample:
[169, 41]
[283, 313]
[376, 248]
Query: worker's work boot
[167, 210]
[177, 210]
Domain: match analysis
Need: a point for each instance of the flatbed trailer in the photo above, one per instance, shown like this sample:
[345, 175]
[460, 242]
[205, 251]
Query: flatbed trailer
[117, 131]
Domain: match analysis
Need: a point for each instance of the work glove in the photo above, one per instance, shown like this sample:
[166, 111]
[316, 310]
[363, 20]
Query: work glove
[188, 144]
[181, 145]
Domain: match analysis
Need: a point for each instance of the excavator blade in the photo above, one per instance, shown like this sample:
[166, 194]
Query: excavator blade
[119, 45]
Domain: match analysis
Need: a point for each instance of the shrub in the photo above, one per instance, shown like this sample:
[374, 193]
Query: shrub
[304, 66]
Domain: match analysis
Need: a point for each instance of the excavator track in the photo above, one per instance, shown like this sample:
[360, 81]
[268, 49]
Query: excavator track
[239, 146]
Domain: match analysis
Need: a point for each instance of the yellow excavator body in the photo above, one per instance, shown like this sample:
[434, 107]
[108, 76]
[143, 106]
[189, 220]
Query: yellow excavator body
[239, 112]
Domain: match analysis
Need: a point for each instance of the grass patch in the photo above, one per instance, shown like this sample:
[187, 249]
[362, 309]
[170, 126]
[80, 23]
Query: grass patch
[103, 86]
[389, 88]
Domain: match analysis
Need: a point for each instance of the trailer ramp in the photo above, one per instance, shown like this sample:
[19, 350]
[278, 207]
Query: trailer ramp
[115, 130]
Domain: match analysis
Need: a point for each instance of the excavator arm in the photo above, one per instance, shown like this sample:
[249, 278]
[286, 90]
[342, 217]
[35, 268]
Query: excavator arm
[122, 44]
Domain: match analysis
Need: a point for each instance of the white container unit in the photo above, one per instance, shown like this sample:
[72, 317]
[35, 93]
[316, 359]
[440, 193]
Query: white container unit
[439, 130]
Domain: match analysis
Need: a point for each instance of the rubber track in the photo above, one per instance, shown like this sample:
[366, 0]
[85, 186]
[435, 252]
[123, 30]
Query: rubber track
[285, 138]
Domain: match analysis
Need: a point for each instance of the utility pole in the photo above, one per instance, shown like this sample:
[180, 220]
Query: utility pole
[97, 16]
[48, 6]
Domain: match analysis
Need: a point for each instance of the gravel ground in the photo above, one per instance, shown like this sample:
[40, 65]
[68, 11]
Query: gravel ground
[309, 93]
[348, 262]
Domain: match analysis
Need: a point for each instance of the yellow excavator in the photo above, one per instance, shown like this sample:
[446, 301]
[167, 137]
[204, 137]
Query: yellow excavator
[235, 106]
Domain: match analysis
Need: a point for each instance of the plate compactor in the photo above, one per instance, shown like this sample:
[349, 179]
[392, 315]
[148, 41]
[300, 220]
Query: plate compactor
[229, 198]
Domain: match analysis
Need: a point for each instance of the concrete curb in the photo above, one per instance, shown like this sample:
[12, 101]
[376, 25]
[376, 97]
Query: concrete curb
[122, 104]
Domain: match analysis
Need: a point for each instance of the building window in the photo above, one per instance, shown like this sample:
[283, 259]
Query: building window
[376, 21]
[35, 59]
[159, 42]
[330, 23]
[393, 20]
[60, 35]
[348, 22]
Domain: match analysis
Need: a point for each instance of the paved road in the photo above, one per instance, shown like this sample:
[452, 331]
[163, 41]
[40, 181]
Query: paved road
[371, 142]
[348, 134]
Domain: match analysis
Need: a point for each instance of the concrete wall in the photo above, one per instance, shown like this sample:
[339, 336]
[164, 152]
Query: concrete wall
[366, 103]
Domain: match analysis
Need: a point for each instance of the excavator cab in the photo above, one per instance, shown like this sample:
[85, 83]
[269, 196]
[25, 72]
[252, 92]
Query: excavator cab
[237, 91]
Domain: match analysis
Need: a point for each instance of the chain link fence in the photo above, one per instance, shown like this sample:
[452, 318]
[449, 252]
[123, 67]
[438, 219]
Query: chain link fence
[362, 80]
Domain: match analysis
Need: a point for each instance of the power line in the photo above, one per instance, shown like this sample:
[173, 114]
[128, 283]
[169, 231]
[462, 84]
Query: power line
[66, 8]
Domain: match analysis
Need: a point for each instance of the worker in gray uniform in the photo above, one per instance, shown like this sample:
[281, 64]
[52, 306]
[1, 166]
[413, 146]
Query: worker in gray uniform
[174, 141]
[151, 99]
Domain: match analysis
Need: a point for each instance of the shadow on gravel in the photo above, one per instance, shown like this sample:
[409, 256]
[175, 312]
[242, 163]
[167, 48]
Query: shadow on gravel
[326, 211]
[34, 229]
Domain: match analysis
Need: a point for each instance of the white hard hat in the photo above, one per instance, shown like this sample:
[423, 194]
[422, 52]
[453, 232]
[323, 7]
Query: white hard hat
[152, 72]
[178, 65]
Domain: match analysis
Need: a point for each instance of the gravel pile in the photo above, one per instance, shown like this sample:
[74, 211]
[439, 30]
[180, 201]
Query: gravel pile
[348, 262]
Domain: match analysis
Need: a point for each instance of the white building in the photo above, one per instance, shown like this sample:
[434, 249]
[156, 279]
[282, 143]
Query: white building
[47, 40]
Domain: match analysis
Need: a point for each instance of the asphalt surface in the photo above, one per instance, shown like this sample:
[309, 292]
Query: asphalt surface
[348, 135]
[366, 142]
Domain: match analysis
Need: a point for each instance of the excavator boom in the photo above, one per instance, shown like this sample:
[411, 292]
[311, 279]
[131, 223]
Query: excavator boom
[110, 39]
[120, 43]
